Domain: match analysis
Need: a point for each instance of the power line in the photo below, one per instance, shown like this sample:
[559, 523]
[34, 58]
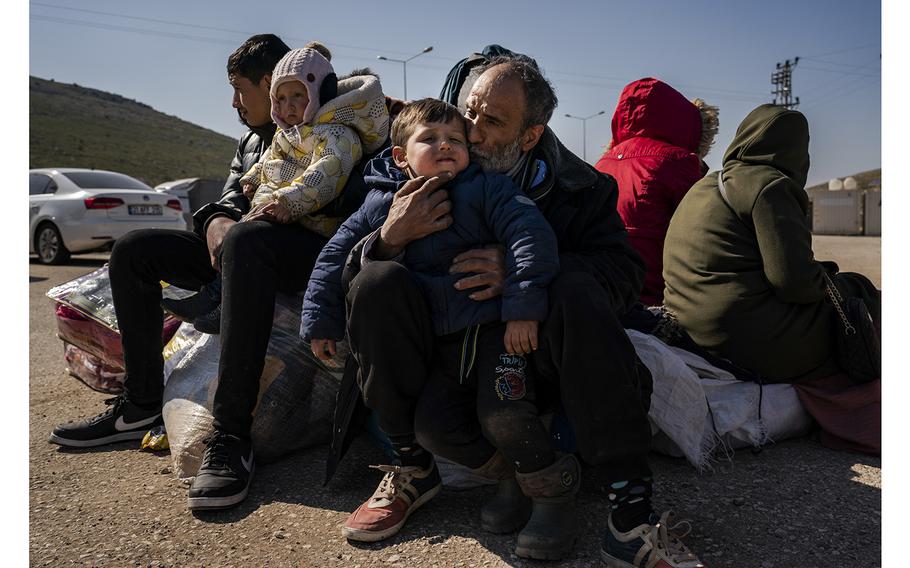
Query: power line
[623, 81]
[601, 81]
[717, 93]
[825, 86]
[841, 72]
[158, 33]
[858, 84]
[114, 27]
[615, 80]
[193, 26]
[843, 64]
[835, 92]
[752, 94]
[856, 48]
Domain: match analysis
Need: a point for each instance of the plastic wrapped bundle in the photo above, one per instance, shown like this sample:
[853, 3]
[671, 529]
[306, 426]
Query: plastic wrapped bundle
[91, 338]
[96, 373]
[296, 395]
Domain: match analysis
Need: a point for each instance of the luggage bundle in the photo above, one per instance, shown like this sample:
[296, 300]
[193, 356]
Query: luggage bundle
[87, 325]
[296, 391]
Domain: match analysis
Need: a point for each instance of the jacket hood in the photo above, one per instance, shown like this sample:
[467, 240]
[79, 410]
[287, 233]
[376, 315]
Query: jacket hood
[360, 105]
[381, 173]
[773, 136]
[653, 109]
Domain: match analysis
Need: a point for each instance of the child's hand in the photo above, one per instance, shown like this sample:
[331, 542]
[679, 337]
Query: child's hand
[249, 190]
[323, 349]
[279, 212]
[521, 337]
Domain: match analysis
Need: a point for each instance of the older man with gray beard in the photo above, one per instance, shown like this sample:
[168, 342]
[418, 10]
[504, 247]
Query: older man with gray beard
[584, 359]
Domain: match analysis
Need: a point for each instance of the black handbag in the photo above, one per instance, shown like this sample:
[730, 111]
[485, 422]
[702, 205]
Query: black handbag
[857, 343]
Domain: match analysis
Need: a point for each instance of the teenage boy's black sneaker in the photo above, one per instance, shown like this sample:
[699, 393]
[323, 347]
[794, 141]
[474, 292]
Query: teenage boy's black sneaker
[210, 323]
[120, 422]
[224, 477]
[197, 305]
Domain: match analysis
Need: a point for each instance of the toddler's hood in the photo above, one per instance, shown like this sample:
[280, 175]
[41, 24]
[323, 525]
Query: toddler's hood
[360, 105]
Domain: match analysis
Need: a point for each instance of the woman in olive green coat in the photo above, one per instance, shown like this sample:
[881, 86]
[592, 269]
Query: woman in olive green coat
[739, 269]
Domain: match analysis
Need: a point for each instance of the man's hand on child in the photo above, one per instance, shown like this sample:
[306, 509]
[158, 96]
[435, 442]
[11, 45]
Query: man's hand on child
[324, 349]
[487, 267]
[420, 207]
[214, 237]
[249, 190]
[521, 337]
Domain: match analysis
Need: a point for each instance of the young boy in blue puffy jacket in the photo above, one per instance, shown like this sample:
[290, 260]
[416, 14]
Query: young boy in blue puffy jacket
[428, 138]
[479, 346]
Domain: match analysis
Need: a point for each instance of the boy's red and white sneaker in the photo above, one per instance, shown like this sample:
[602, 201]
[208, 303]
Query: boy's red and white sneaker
[402, 490]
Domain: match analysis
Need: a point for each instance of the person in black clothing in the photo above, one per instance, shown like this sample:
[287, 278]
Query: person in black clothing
[257, 259]
[584, 359]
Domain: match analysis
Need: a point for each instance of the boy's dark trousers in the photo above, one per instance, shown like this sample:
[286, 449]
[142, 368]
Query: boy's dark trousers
[583, 352]
[258, 259]
[480, 399]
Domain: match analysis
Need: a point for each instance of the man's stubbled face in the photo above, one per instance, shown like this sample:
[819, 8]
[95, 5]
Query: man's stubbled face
[495, 110]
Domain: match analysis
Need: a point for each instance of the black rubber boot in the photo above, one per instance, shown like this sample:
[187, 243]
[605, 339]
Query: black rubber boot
[510, 508]
[553, 528]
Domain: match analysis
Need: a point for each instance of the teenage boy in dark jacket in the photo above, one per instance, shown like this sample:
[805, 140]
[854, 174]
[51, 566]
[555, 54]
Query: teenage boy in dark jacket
[258, 258]
[583, 352]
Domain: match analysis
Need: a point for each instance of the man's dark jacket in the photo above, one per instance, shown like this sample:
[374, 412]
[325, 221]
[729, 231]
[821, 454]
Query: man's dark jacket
[233, 203]
[580, 204]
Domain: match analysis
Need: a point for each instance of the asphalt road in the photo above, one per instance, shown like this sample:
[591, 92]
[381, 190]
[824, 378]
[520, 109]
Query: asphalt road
[795, 503]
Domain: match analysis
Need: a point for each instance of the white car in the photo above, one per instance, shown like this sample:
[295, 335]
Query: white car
[193, 193]
[72, 210]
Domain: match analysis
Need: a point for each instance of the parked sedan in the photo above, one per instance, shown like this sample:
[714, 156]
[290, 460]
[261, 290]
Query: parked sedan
[193, 193]
[78, 210]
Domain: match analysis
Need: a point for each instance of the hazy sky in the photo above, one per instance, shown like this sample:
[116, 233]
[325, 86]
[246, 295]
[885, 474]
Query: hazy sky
[171, 55]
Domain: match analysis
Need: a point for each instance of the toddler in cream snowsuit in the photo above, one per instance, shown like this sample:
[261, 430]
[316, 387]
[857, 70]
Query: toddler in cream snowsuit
[324, 128]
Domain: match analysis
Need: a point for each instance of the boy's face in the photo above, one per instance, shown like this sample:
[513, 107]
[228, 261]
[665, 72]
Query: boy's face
[292, 100]
[433, 148]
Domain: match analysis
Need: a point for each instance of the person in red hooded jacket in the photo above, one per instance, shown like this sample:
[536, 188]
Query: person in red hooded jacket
[660, 139]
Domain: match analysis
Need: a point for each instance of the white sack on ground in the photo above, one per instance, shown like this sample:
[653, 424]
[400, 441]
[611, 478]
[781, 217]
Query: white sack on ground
[684, 387]
[687, 428]
[678, 404]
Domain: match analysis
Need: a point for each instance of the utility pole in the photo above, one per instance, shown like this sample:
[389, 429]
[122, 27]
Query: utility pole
[783, 86]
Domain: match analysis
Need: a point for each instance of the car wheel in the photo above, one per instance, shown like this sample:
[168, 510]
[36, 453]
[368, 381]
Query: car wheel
[49, 245]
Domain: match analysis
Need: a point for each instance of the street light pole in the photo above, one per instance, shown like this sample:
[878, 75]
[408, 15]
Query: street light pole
[404, 66]
[584, 131]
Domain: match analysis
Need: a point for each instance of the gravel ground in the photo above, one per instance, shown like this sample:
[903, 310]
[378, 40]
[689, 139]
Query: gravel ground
[795, 503]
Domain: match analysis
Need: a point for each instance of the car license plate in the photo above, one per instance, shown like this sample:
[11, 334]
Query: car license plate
[145, 209]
